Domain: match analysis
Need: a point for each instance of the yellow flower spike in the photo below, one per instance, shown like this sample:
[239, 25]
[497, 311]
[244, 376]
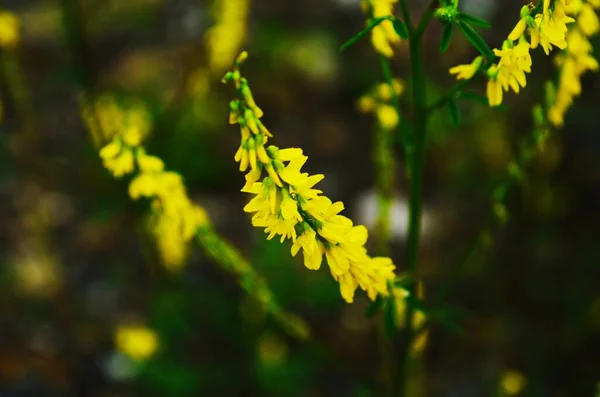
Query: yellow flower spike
[286, 204]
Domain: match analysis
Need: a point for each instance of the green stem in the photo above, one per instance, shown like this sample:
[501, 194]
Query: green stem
[416, 164]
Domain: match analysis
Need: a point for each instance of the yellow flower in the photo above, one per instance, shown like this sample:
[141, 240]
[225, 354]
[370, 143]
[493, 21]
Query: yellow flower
[383, 36]
[137, 342]
[550, 27]
[388, 116]
[465, 72]
[9, 29]
[510, 71]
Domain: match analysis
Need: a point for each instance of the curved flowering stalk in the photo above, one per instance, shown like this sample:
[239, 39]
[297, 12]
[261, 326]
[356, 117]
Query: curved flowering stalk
[175, 219]
[577, 59]
[286, 204]
[544, 25]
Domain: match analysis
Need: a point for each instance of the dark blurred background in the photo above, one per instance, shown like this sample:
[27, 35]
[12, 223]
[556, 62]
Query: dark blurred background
[77, 266]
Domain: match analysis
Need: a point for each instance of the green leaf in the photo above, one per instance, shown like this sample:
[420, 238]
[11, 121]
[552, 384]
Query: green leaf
[374, 22]
[476, 40]
[389, 317]
[474, 20]
[446, 37]
[454, 111]
[400, 28]
[374, 307]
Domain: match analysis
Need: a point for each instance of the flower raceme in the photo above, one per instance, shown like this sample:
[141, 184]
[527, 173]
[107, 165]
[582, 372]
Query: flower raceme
[286, 203]
[547, 27]
[175, 218]
[576, 60]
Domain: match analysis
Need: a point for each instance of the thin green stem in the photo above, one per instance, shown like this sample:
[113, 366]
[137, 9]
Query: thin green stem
[416, 164]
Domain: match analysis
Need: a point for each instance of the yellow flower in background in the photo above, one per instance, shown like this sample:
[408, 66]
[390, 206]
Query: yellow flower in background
[9, 30]
[383, 36]
[419, 317]
[226, 36]
[512, 383]
[576, 60]
[378, 99]
[175, 218]
[137, 342]
[285, 203]
[548, 28]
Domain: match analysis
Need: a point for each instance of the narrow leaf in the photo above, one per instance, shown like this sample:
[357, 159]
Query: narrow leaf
[454, 112]
[374, 22]
[474, 20]
[446, 37]
[476, 40]
[400, 28]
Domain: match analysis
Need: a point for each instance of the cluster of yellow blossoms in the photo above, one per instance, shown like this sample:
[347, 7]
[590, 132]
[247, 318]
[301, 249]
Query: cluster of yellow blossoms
[577, 59]
[225, 37]
[175, 218]
[383, 36]
[285, 203]
[378, 101]
[546, 27]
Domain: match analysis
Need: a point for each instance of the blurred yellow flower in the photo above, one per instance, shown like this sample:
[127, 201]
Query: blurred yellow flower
[9, 29]
[137, 342]
[226, 36]
[512, 383]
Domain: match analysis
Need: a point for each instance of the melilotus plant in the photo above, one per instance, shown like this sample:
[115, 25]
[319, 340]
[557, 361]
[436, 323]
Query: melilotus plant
[284, 200]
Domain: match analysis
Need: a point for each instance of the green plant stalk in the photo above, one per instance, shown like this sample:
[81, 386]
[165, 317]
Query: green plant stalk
[229, 259]
[416, 164]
